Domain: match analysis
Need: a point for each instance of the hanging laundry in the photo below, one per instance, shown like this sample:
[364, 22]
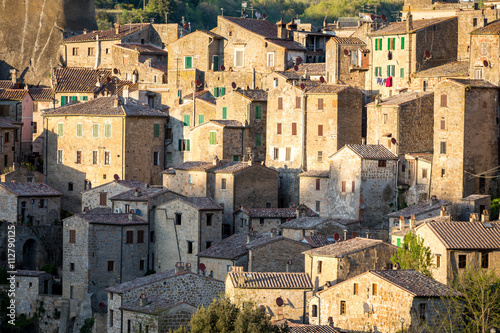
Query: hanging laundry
[388, 82]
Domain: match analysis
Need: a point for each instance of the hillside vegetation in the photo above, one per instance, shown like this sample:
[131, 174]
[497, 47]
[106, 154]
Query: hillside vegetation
[203, 14]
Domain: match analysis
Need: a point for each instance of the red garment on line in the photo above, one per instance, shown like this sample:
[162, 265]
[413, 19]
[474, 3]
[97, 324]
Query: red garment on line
[388, 82]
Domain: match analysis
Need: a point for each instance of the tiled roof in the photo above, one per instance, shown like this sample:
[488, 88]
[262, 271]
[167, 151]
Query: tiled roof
[275, 212]
[318, 241]
[202, 203]
[316, 173]
[127, 183]
[145, 193]
[254, 95]
[307, 223]
[195, 166]
[41, 94]
[231, 247]
[419, 208]
[112, 219]
[228, 123]
[169, 171]
[306, 328]
[12, 94]
[6, 84]
[100, 210]
[450, 69]
[110, 34]
[372, 152]
[268, 239]
[210, 33]
[348, 40]
[232, 167]
[203, 95]
[154, 306]
[289, 75]
[473, 197]
[8, 123]
[22, 272]
[311, 68]
[30, 189]
[474, 83]
[105, 106]
[467, 235]
[492, 28]
[346, 247]
[76, 79]
[263, 28]
[159, 66]
[140, 282]
[395, 28]
[422, 156]
[404, 97]
[415, 283]
[316, 87]
[258, 280]
[116, 87]
[143, 48]
[288, 44]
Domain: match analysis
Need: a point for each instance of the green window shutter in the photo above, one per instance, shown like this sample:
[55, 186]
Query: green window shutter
[156, 130]
[213, 138]
[402, 43]
[95, 130]
[216, 92]
[188, 62]
[74, 98]
[85, 98]
[388, 43]
[380, 44]
[60, 129]
[180, 145]
[393, 70]
[187, 145]
[79, 130]
[63, 100]
[236, 158]
[179, 93]
[388, 70]
[258, 140]
[223, 91]
[398, 242]
[186, 120]
[402, 72]
[258, 112]
[201, 119]
[224, 112]
[376, 44]
[107, 130]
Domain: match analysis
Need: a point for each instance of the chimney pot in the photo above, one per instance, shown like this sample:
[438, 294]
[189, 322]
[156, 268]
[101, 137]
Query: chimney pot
[413, 222]
[443, 211]
[117, 28]
[179, 267]
[401, 222]
[434, 200]
[85, 31]
[143, 300]
[13, 73]
[409, 22]
[485, 217]
[473, 217]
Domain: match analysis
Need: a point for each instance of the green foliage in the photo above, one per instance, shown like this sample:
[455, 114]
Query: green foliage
[103, 21]
[495, 208]
[87, 325]
[65, 214]
[414, 255]
[51, 269]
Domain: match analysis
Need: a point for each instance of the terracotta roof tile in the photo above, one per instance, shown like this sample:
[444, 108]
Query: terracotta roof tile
[403, 98]
[228, 123]
[159, 66]
[318, 241]
[110, 34]
[343, 248]
[8, 123]
[210, 33]
[311, 68]
[420, 208]
[232, 167]
[492, 28]
[474, 83]
[275, 212]
[451, 69]
[6, 84]
[316, 173]
[144, 194]
[12, 94]
[140, 282]
[395, 28]
[143, 48]
[231, 247]
[473, 197]
[467, 235]
[76, 79]
[371, 152]
[154, 306]
[41, 94]
[423, 156]
[127, 183]
[306, 328]
[348, 40]
[258, 280]
[289, 75]
[112, 219]
[307, 223]
[23, 189]
[204, 95]
[254, 95]
[263, 28]
[268, 238]
[287, 44]
[316, 87]
[195, 166]
[202, 203]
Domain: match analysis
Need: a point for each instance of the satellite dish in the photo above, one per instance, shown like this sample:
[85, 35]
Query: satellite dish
[244, 13]
[373, 17]
[486, 63]
[279, 301]
[427, 54]
[116, 177]
[322, 79]
[202, 266]
[295, 68]
[115, 70]
[108, 79]
[366, 307]
[198, 83]
[354, 234]
[346, 52]
[233, 84]
[299, 60]
[336, 236]
[102, 305]
[393, 141]
[257, 15]
[302, 86]
[383, 17]
[264, 16]
[138, 212]
[186, 25]
[222, 68]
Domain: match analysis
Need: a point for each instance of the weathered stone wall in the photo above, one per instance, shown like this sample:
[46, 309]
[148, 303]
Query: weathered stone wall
[311, 196]
[484, 48]
[179, 182]
[197, 45]
[243, 223]
[138, 322]
[8, 201]
[27, 290]
[11, 148]
[466, 20]
[220, 267]
[229, 142]
[274, 256]
[255, 187]
[226, 197]
[91, 198]
[22, 174]
[175, 317]
[340, 68]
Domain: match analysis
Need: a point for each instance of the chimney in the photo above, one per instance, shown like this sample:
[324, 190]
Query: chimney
[13, 73]
[434, 200]
[330, 321]
[306, 75]
[273, 232]
[413, 222]
[137, 192]
[237, 269]
[401, 222]
[251, 236]
[215, 160]
[473, 217]
[131, 216]
[443, 211]
[179, 267]
[187, 267]
[85, 31]
[117, 28]
[345, 234]
[289, 263]
[281, 26]
[485, 216]
[116, 102]
[409, 22]
[367, 235]
[125, 94]
[143, 300]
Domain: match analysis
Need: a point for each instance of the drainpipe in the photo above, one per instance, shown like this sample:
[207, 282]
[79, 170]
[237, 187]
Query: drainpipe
[199, 244]
[98, 52]
[208, 53]
[253, 77]
[194, 105]
[46, 141]
[123, 148]
[304, 134]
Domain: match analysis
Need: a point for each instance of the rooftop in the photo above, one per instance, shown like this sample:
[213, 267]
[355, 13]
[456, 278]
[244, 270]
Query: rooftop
[306, 328]
[450, 69]
[231, 247]
[21, 272]
[395, 28]
[112, 219]
[195, 166]
[202, 203]
[370, 152]
[143, 48]
[263, 28]
[105, 106]
[6, 84]
[275, 212]
[77, 79]
[41, 94]
[311, 68]
[23, 189]
[232, 167]
[467, 235]
[141, 194]
[127, 183]
[474, 83]
[140, 282]
[492, 28]
[203, 95]
[12, 94]
[344, 248]
[317, 241]
[123, 31]
[348, 40]
[307, 223]
[474, 197]
[403, 98]
[316, 87]
[8, 123]
[316, 173]
[228, 123]
[420, 208]
[256, 95]
[268, 238]
[259, 280]
[154, 306]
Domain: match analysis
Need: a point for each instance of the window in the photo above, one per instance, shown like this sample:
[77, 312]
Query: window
[474, 22]
[484, 259]
[478, 73]
[378, 44]
[190, 178]
[443, 124]
[444, 100]
[314, 311]
[188, 62]
[276, 153]
[83, 98]
[239, 58]
[280, 103]
[106, 158]
[278, 128]
[443, 172]
[190, 247]
[270, 59]
[111, 317]
[391, 43]
[421, 311]
[320, 157]
[130, 237]
[156, 130]
[224, 112]
[219, 91]
[318, 206]
[79, 130]
[378, 71]
[320, 130]
[374, 289]
[103, 199]
[187, 120]
[178, 218]
[70, 186]
[223, 184]
[71, 292]
[201, 119]
[7, 137]
[125, 60]
[344, 186]
[127, 208]
[318, 184]
[382, 163]
[462, 261]
[208, 244]
[72, 267]
[442, 147]
[319, 267]
[353, 186]
[294, 128]
[179, 93]
[72, 236]
[484, 49]
[297, 102]
[402, 72]
[424, 173]
[288, 154]
[320, 104]
[140, 236]
[156, 158]
[75, 51]
[275, 82]
[35, 127]
[111, 266]
[78, 157]
[402, 43]
[438, 260]
[129, 326]
[169, 157]
[391, 70]
[258, 112]
[183, 145]
[90, 51]
[209, 219]
[60, 129]
[236, 158]
[95, 155]
[60, 154]
[258, 139]
[342, 307]
[95, 130]
[212, 139]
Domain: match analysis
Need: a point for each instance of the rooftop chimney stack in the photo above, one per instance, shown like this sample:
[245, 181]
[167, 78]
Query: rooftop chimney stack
[85, 31]
[281, 26]
[215, 160]
[401, 222]
[143, 300]
[409, 22]
[116, 102]
[345, 234]
[13, 73]
[251, 236]
[413, 222]
[117, 28]
[187, 267]
[485, 216]
[473, 217]
[434, 200]
[179, 267]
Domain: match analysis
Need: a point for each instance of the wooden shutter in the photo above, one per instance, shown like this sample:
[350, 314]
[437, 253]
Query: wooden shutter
[402, 43]
[103, 199]
[258, 140]
[294, 128]
[320, 103]
[224, 112]
[187, 120]
[258, 112]
[318, 184]
[130, 237]
[343, 186]
[72, 236]
[60, 129]
[213, 138]
[278, 128]
[297, 102]
[353, 186]
[320, 130]
[280, 103]
[443, 124]
[95, 130]
[140, 236]
[107, 130]
[156, 130]
[201, 119]
[444, 100]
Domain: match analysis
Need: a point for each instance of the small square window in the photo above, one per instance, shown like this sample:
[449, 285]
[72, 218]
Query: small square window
[111, 266]
[374, 289]
[178, 219]
[462, 261]
[382, 163]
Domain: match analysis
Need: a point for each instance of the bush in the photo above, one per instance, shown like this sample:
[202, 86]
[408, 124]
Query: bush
[495, 208]
[51, 269]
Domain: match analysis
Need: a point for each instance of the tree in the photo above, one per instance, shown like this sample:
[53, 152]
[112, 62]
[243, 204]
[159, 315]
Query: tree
[222, 316]
[414, 255]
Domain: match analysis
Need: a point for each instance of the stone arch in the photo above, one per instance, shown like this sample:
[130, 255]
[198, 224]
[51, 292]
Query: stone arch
[29, 254]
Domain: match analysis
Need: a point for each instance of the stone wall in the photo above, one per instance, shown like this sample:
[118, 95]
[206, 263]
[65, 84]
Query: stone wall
[22, 174]
[200, 47]
[340, 68]
[255, 187]
[311, 196]
[274, 256]
[466, 20]
[91, 198]
[180, 182]
[220, 267]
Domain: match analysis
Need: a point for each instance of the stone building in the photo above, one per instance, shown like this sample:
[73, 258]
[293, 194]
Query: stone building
[403, 48]
[420, 211]
[10, 138]
[314, 71]
[484, 53]
[90, 143]
[414, 177]
[383, 300]
[99, 196]
[398, 233]
[192, 179]
[473, 204]
[307, 122]
[363, 184]
[22, 174]
[427, 79]
[17, 105]
[332, 264]
[313, 186]
[32, 289]
[143, 63]
[455, 250]
[43, 100]
[283, 295]
[29, 203]
[183, 228]
[347, 61]
[177, 285]
[465, 138]
[402, 123]
[303, 228]
[155, 314]
[101, 250]
[264, 220]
